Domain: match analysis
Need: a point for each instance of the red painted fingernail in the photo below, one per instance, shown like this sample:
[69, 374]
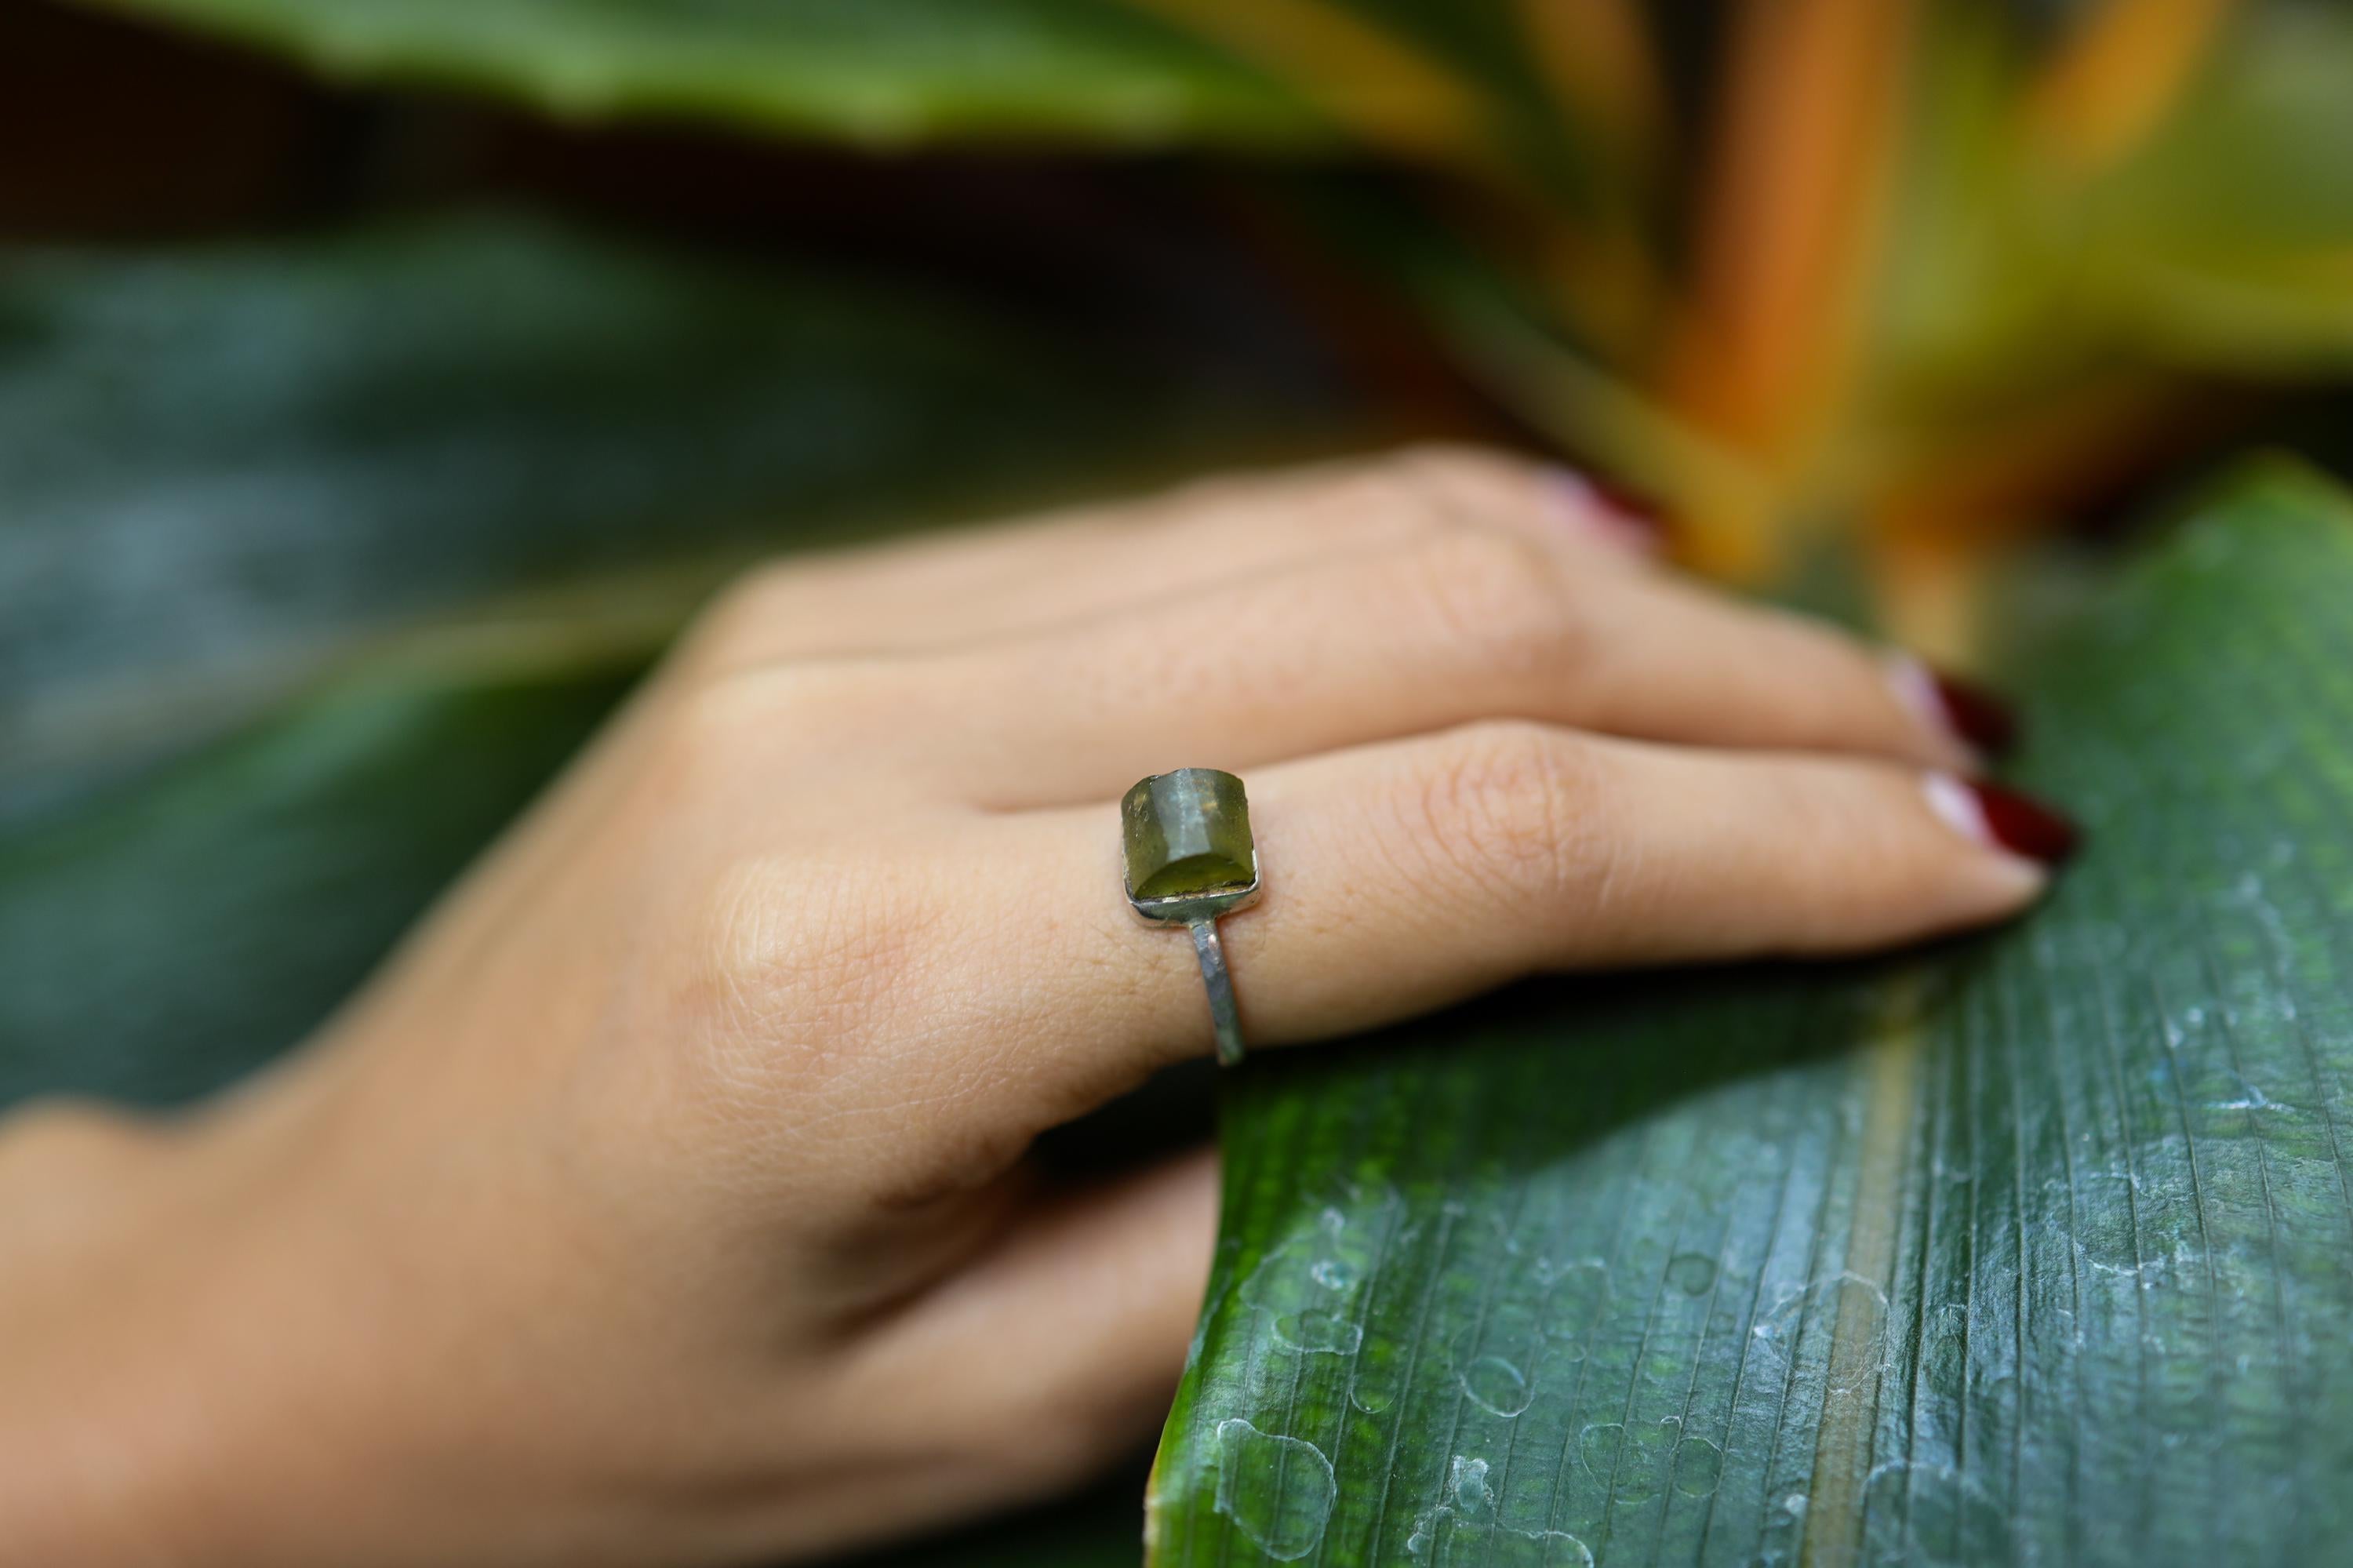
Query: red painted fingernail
[1982, 721]
[1621, 518]
[1975, 714]
[1637, 517]
[2004, 819]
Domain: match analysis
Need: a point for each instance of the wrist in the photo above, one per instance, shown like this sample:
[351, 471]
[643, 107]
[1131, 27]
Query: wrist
[141, 1344]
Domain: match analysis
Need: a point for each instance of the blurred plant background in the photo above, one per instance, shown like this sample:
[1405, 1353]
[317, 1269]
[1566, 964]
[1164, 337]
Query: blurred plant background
[383, 381]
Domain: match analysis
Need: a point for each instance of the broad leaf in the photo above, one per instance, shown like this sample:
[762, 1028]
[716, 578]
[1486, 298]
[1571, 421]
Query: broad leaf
[221, 467]
[443, 488]
[1523, 95]
[158, 944]
[2037, 1250]
[881, 72]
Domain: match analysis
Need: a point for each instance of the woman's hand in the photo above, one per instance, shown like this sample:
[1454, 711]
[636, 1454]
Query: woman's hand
[664, 1199]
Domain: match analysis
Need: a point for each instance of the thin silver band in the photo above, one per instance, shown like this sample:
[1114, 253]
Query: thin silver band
[1212, 954]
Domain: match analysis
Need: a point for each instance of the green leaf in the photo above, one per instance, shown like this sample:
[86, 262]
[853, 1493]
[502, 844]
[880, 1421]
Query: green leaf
[2039, 1249]
[317, 557]
[881, 72]
[160, 944]
[224, 468]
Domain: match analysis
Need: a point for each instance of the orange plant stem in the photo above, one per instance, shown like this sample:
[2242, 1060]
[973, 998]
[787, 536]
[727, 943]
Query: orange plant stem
[1805, 141]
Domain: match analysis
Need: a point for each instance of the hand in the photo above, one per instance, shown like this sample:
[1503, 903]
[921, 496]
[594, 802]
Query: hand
[664, 1199]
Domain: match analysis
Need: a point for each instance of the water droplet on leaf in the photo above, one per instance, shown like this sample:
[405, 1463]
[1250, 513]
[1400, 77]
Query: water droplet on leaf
[1277, 1490]
[1495, 1385]
[1699, 1466]
[1320, 1332]
[1691, 1274]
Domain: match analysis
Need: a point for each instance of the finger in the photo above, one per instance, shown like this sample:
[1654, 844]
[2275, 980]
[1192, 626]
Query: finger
[939, 590]
[942, 590]
[1403, 877]
[1378, 645]
[1071, 1334]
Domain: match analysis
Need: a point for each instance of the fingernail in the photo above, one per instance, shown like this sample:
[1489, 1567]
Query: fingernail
[1608, 513]
[1961, 708]
[2003, 819]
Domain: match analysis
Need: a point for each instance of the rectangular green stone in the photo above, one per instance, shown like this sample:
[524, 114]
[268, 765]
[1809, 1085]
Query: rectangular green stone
[1189, 844]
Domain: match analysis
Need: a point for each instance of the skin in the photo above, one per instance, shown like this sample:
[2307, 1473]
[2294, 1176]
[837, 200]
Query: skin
[664, 1199]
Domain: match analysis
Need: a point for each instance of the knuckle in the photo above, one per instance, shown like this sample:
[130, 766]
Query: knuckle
[1402, 495]
[1451, 469]
[1838, 687]
[702, 750]
[745, 619]
[1506, 807]
[1240, 490]
[1279, 495]
[1496, 593]
[720, 731]
[797, 966]
[758, 589]
[701, 736]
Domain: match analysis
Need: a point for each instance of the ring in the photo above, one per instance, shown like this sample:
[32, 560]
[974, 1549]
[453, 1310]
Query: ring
[1190, 858]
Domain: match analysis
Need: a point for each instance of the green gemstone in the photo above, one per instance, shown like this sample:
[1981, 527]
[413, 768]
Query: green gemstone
[1187, 835]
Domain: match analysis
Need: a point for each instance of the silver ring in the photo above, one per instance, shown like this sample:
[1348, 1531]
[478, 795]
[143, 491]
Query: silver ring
[1190, 859]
